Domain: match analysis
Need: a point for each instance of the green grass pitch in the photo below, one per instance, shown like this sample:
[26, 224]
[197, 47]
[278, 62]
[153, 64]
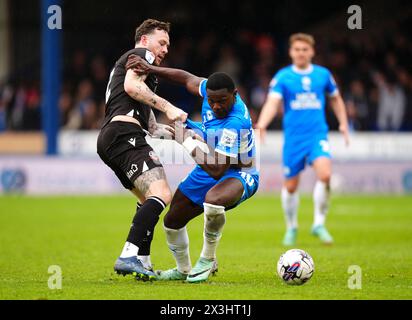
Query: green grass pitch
[84, 236]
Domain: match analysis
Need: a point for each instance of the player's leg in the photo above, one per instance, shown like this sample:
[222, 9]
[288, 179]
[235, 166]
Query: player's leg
[290, 205]
[152, 186]
[181, 211]
[225, 194]
[321, 195]
[294, 156]
[187, 203]
[133, 163]
[141, 198]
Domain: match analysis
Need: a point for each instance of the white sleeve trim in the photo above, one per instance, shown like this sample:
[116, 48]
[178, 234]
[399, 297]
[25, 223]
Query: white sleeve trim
[334, 93]
[275, 94]
[200, 88]
[231, 155]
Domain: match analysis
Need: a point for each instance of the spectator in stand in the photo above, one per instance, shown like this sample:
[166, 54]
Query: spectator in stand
[5, 97]
[391, 103]
[65, 105]
[84, 105]
[357, 104]
[31, 117]
[99, 76]
[405, 79]
[229, 63]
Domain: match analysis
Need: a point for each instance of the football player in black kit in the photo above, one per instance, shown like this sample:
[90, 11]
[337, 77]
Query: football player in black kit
[122, 146]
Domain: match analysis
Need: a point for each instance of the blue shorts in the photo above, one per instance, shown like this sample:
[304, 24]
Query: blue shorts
[196, 185]
[299, 152]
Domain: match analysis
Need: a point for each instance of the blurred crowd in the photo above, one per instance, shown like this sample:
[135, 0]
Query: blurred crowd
[374, 75]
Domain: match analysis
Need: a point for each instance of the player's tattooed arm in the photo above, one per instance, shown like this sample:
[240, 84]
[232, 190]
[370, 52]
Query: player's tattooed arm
[178, 76]
[136, 88]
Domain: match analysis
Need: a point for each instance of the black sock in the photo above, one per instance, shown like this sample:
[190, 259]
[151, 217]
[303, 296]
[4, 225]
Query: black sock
[144, 222]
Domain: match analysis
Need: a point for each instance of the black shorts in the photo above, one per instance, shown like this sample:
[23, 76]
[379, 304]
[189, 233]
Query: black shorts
[122, 146]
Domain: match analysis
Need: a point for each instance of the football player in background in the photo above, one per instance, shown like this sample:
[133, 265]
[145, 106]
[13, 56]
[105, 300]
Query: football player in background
[303, 87]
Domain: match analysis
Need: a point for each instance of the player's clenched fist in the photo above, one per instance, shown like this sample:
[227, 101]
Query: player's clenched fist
[175, 114]
[181, 134]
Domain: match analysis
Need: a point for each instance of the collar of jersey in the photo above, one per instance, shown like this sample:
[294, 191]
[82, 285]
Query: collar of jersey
[308, 70]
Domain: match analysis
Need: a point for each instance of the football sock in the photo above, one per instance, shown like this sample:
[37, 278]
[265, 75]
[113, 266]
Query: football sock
[215, 219]
[178, 243]
[321, 202]
[129, 250]
[290, 204]
[147, 263]
[144, 222]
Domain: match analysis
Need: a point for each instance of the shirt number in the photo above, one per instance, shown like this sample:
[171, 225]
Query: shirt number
[248, 178]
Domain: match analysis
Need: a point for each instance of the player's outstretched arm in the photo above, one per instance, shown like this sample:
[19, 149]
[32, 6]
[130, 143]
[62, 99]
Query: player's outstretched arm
[178, 76]
[268, 113]
[339, 109]
[136, 88]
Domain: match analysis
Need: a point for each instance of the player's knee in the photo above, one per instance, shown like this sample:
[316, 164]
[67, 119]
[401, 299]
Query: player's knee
[172, 222]
[215, 199]
[291, 189]
[291, 185]
[165, 194]
[168, 222]
[325, 177]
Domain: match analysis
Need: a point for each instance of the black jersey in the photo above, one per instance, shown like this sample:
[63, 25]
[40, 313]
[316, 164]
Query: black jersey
[118, 102]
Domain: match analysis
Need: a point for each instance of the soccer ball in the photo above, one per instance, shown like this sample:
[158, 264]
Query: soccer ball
[295, 267]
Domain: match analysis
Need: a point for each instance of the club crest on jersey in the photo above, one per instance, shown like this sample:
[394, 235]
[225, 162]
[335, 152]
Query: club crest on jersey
[209, 115]
[150, 57]
[306, 83]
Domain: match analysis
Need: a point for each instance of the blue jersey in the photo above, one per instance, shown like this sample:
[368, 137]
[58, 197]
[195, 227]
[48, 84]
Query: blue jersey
[303, 93]
[232, 136]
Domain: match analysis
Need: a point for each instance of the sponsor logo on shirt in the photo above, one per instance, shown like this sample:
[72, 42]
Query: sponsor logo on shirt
[133, 169]
[228, 138]
[306, 100]
[306, 83]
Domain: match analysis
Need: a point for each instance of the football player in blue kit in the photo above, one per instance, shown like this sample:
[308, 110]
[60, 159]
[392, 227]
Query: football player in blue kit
[302, 87]
[225, 174]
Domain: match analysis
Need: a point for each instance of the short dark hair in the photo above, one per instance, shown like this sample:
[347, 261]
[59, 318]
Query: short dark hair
[220, 80]
[150, 25]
